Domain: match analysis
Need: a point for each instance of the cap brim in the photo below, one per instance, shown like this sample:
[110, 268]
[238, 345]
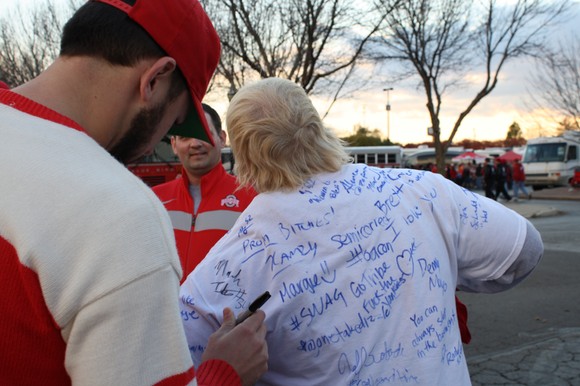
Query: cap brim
[194, 125]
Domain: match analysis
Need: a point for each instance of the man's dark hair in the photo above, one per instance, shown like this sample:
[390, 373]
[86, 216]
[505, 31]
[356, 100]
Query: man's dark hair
[101, 31]
[215, 117]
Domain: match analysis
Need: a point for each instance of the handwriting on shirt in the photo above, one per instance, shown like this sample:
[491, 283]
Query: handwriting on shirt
[348, 277]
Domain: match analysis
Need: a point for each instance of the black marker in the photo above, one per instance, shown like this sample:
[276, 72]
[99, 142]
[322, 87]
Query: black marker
[256, 304]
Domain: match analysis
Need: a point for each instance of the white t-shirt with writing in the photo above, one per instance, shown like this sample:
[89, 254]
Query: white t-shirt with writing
[362, 266]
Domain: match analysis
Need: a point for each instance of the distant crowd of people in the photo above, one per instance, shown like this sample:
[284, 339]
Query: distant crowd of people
[494, 176]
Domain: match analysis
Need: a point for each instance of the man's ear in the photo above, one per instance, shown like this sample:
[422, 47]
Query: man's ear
[174, 144]
[223, 137]
[156, 78]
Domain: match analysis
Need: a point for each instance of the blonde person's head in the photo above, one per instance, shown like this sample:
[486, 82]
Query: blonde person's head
[277, 137]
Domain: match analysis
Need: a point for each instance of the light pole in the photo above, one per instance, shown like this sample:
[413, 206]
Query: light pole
[388, 113]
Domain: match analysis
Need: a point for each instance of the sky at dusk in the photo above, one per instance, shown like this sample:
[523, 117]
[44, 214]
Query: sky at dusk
[409, 120]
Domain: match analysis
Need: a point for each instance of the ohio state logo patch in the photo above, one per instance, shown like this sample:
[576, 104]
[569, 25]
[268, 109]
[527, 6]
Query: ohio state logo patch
[230, 201]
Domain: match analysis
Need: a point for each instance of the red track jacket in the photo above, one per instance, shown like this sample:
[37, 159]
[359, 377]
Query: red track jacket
[219, 208]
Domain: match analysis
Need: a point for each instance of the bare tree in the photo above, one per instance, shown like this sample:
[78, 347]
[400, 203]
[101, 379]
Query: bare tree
[315, 43]
[556, 84]
[30, 40]
[443, 39]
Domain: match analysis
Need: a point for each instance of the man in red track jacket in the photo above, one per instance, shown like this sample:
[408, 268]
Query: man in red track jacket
[204, 203]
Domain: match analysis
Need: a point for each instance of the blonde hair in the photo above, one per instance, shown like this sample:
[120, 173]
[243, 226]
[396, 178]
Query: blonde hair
[277, 137]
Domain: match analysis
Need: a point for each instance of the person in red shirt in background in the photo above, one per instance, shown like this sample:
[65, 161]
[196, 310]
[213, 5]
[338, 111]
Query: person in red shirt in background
[205, 202]
[519, 177]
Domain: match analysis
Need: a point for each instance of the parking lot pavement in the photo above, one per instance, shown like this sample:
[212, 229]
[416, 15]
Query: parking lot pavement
[561, 193]
[532, 209]
[535, 207]
[551, 360]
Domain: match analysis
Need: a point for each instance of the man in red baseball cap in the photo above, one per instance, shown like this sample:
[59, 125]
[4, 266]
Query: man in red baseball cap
[90, 269]
[185, 33]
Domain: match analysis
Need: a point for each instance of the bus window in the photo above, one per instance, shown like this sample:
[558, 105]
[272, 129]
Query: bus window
[572, 153]
[228, 159]
[545, 152]
[381, 156]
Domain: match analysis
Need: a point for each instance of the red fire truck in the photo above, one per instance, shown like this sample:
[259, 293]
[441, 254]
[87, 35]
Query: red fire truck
[159, 167]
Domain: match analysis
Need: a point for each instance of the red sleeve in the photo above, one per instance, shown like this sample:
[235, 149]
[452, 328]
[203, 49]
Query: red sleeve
[462, 320]
[217, 372]
[179, 379]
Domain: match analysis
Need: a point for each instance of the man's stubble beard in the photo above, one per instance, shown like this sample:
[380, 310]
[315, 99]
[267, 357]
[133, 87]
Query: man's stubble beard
[143, 126]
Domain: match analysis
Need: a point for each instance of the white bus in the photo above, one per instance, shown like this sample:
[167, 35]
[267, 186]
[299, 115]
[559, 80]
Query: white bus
[422, 156]
[379, 156]
[550, 161]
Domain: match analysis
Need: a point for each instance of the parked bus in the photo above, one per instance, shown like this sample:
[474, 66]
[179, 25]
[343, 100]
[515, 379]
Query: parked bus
[421, 157]
[551, 161]
[163, 165]
[379, 156]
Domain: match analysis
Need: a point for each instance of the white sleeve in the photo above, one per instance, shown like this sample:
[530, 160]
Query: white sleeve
[524, 264]
[493, 246]
[130, 336]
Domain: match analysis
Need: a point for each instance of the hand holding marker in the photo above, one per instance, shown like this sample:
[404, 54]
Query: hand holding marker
[256, 304]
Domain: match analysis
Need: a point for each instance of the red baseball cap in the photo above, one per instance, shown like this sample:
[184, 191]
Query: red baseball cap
[185, 32]
[3, 85]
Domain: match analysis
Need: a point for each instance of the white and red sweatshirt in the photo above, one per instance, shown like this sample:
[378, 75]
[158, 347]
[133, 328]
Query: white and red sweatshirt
[90, 272]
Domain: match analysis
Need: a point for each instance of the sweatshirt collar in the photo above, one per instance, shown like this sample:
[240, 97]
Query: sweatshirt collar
[28, 106]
